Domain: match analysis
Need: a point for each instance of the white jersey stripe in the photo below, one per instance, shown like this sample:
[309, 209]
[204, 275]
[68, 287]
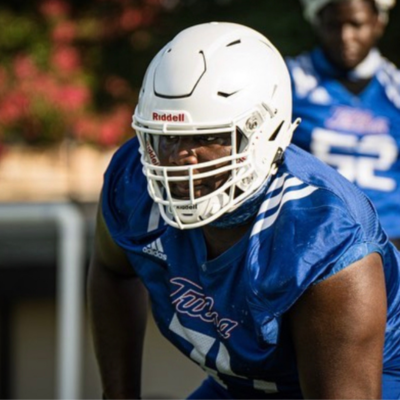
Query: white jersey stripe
[154, 218]
[277, 183]
[294, 195]
[267, 387]
[159, 245]
[274, 201]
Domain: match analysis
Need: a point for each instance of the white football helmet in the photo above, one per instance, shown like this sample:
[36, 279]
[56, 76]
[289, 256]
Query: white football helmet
[213, 78]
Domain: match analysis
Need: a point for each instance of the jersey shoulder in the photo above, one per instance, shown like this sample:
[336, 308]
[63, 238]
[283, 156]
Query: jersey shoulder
[333, 187]
[310, 84]
[389, 78]
[128, 210]
[304, 77]
[312, 224]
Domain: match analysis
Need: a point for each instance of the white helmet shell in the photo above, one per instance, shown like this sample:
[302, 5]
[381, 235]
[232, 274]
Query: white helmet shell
[213, 78]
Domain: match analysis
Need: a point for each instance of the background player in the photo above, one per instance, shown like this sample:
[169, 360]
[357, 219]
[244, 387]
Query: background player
[348, 97]
[263, 265]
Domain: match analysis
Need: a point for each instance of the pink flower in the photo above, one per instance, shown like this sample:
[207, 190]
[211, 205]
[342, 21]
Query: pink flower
[109, 133]
[131, 19]
[64, 32]
[45, 86]
[73, 97]
[66, 59]
[13, 108]
[54, 8]
[24, 67]
[9, 113]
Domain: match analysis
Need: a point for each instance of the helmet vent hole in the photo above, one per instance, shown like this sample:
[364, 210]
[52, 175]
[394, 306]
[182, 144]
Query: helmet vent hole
[234, 43]
[224, 94]
[275, 134]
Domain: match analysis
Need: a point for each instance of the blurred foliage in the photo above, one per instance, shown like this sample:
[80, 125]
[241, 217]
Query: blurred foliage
[72, 69]
[58, 77]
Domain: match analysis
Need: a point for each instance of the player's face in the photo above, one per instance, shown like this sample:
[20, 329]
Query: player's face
[347, 31]
[193, 150]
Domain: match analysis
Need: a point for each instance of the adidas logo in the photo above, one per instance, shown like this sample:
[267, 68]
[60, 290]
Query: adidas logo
[155, 249]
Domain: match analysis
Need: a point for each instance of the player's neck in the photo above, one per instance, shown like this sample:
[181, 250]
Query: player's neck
[355, 80]
[355, 87]
[219, 240]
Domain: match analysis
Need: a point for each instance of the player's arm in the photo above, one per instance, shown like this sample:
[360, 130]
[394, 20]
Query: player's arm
[338, 329]
[117, 308]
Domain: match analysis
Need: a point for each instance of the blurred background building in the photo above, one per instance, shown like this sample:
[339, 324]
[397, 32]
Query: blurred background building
[70, 72]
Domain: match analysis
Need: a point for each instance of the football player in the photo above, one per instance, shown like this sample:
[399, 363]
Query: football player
[264, 266]
[348, 97]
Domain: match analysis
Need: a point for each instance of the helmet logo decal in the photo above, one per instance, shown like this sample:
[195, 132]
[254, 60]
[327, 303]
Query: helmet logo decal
[168, 117]
[152, 154]
[187, 207]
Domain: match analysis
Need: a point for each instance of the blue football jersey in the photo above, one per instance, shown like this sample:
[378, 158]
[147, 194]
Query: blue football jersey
[228, 314]
[359, 135]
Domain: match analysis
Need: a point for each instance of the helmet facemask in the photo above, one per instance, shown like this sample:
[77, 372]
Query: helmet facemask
[246, 170]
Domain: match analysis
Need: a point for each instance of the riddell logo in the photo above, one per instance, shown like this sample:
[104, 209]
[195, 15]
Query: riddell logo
[169, 117]
[152, 154]
[187, 207]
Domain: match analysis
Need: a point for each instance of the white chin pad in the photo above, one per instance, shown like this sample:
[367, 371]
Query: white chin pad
[205, 209]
